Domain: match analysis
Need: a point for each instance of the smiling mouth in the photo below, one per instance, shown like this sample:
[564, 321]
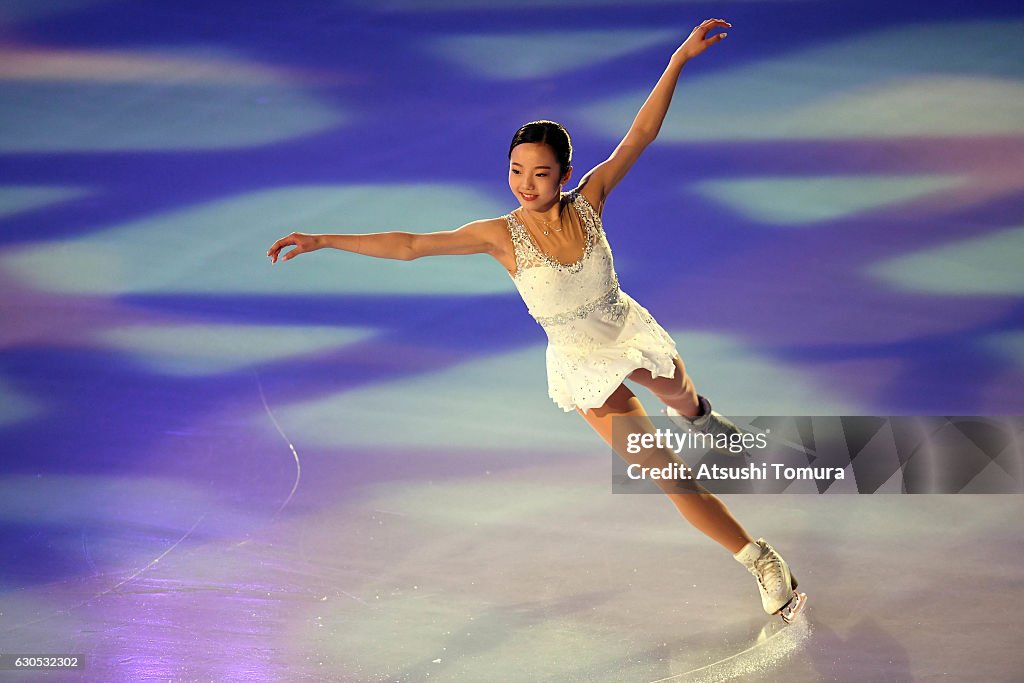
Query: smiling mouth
[528, 197]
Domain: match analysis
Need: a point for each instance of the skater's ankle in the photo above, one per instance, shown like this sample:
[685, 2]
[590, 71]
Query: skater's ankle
[743, 543]
[688, 409]
[748, 553]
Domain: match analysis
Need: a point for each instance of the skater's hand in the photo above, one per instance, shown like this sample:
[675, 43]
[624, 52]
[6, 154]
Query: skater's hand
[300, 240]
[697, 42]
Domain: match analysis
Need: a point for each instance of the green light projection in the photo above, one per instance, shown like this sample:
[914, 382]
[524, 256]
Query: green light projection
[220, 247]
[802, 201]
[987, 265]
[207, 349]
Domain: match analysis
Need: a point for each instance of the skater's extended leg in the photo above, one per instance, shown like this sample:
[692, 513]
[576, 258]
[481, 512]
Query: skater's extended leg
[675, 392]
[702, 509]
[685, 407]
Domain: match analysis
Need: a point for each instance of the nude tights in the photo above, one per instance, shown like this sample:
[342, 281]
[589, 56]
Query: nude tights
[702, 509]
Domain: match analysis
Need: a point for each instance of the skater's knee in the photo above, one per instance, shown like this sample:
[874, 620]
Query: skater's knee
[621, 402]
[670, 388]
[641, 376]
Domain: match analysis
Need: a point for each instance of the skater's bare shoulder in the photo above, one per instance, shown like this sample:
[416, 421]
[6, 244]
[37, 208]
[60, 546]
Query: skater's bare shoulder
[592, 193]
[599, 181]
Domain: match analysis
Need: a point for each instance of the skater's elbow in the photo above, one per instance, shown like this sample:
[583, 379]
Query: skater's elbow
[406, 247]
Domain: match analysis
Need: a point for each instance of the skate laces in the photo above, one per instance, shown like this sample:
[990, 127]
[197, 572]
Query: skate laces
[769, 569]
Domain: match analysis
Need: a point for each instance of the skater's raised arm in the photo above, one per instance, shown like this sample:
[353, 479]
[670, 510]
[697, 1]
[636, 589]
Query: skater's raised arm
[478, 237]
[606, 175]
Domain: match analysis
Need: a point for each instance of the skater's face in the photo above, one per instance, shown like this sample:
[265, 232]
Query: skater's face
[533, 175]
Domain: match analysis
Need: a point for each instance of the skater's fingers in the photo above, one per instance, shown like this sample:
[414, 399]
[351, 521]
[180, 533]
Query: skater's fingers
[709, 24]
[293, 253]
[698, 39]
[280, 244]
[301, 241]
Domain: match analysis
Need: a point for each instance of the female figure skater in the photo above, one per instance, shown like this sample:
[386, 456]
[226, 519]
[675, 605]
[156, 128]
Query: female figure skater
[555, 250]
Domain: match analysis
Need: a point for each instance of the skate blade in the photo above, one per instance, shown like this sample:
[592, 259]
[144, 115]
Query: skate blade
[794, 607]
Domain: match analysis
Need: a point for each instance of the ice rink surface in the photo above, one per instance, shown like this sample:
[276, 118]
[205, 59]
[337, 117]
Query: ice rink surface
[473, 576]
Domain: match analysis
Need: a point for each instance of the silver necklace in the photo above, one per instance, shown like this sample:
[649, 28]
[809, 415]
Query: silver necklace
[547, 224]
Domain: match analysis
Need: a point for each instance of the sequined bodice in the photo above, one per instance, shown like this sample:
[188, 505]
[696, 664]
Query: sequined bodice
[557, 293]
[597, 334]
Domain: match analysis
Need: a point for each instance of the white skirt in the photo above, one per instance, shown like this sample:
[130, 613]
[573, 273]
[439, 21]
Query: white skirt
[587, 359]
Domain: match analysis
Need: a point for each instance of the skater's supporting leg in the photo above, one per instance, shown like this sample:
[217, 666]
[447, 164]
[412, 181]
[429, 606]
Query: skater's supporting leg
[675, 392]
[702, 509]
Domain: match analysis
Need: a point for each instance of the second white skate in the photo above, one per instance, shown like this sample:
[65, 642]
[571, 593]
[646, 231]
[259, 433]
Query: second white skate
[775, 582]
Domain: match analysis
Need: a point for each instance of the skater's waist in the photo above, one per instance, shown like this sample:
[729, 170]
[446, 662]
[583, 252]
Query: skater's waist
[608, 298]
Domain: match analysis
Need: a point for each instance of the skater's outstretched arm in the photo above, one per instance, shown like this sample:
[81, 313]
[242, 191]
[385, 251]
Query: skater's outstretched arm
[478, 237]
[606, 175]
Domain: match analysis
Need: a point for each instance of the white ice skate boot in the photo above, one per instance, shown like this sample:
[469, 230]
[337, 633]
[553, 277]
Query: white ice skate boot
[708, 422]
[774, 580]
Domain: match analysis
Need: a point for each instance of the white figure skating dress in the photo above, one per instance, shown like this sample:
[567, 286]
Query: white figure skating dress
[597, 334]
